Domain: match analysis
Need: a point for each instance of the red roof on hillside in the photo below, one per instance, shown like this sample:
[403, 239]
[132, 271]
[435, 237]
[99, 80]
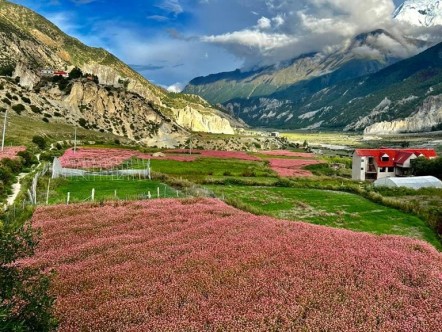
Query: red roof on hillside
[396, 156]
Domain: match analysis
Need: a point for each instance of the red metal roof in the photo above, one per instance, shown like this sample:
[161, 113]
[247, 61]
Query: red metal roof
[396, 156]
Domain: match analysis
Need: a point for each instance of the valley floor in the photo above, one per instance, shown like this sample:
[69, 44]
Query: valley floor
[199, 264]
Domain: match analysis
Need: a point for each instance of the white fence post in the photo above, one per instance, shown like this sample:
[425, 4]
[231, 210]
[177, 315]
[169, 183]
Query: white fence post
[68, 198]
[93, 194]
[47, 192]
[158, 192]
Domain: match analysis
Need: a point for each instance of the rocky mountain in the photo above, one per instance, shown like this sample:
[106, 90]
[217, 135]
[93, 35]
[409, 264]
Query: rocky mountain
[366, 53]
[424, 13]
[427, 117]
[31, 46]
[395, 92]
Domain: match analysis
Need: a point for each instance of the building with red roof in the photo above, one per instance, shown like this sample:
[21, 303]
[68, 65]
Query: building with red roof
[61, 73]
[373, 164]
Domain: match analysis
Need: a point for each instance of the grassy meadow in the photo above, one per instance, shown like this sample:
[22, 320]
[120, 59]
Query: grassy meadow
[20, 131]
[204, 168]
[328, 208]
[106, 188]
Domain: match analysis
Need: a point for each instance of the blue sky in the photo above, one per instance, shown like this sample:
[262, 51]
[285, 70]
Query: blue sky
[172, 41]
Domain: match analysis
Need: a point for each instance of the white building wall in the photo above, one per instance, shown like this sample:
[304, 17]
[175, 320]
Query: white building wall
[358, 168]
[386, 174]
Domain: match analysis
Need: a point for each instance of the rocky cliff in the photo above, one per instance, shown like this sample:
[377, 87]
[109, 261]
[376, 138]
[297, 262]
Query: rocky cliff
[30, 44]
[427, 117]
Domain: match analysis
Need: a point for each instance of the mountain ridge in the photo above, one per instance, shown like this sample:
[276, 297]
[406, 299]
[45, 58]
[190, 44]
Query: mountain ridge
[31, 43]
[365, 54]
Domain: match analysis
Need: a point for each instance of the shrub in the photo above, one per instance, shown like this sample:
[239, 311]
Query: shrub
[35, 109]
[26, 99]
[39, 141]
[82, 122]
[18, 108]
[423, 166]
[7, 70]
[6, 101]
[75, 73]
[26, 304]
[28, 158]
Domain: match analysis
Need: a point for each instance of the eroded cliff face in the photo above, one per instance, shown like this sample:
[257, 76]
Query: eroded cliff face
[428, 116]
[97, 108]
[30, 44]
[202, 121]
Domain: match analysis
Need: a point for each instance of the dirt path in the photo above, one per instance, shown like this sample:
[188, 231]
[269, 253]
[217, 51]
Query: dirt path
[16, 187]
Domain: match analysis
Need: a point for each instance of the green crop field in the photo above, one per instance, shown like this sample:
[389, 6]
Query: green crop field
[203, 168]
[329, 208]
[106, 188]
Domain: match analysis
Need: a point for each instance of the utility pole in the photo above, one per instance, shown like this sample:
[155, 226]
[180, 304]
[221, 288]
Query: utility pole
[75, 140]
[4, 130]
[190, 145]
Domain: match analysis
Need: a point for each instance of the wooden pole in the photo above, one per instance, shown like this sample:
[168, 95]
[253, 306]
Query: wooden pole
[4, 130]
[47, 192]
[75, 139]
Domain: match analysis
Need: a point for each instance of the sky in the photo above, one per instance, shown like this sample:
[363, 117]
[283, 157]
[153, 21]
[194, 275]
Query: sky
[171, 42]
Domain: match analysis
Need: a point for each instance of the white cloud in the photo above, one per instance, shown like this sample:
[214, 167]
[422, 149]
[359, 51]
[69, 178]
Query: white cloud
[264, 23]
[171, 6]
[176, 87]
[302, 27]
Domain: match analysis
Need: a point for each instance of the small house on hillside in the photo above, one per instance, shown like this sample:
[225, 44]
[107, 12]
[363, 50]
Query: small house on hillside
[415, 182]
[373, 164]
[61, 73]
[47, 71]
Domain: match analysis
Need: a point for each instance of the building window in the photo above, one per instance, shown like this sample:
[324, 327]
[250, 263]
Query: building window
[390, 169]
[362, 168]
[385, 158]
[382, 169]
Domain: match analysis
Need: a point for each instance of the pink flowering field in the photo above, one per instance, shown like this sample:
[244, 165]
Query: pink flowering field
[218, 154]
[11, 151]
[107, 157]
[292, 167]
[286, 153]
[194, 265]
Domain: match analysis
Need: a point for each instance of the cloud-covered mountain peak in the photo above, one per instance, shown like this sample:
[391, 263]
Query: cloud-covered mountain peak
[424, 13]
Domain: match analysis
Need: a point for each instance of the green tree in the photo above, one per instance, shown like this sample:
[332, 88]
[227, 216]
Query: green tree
[28, 158]
[422, 166]
[39, 141]
[25, 304]
[75, 73]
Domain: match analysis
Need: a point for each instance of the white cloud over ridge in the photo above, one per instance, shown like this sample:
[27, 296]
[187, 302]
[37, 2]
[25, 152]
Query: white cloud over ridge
[291, 29]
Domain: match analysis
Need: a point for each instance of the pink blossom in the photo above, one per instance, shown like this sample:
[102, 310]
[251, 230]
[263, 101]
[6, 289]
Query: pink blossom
[286, 153]
[199, 264]
[11, 151]
[107, 158]
[292, 167]
[218, 154]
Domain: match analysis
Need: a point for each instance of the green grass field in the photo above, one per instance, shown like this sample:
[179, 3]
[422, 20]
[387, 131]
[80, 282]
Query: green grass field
[329, 208]
[80, 189]
[204, 168]
[21, 129]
